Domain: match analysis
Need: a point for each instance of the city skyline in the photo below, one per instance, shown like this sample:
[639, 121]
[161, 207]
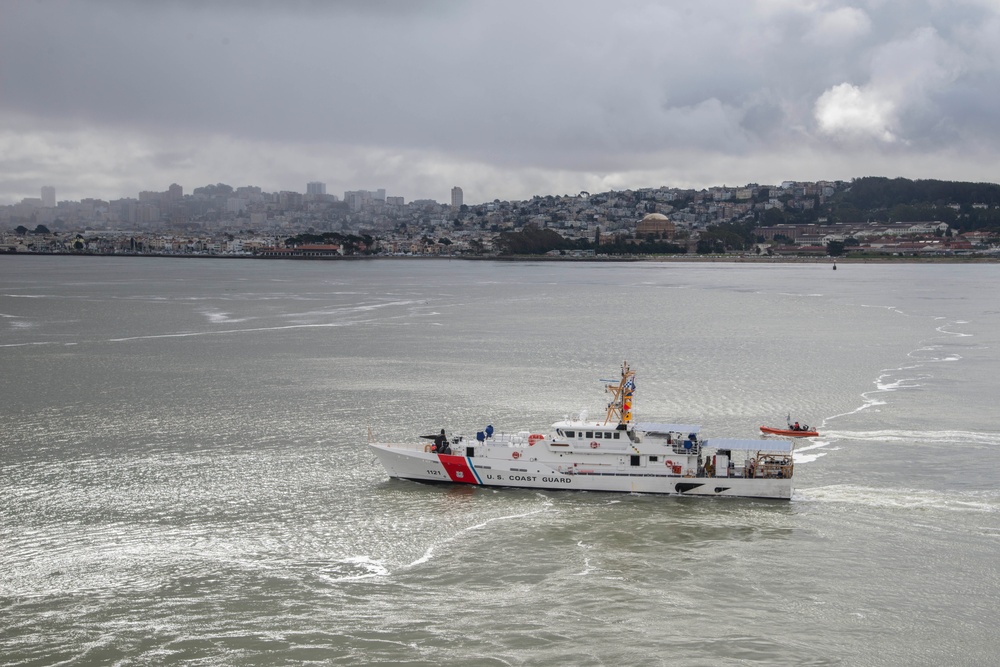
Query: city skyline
[354, 198]
[103, 99]
[49, 199]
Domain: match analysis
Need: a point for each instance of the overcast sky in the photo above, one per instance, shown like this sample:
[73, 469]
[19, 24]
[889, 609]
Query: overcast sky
[505, 98]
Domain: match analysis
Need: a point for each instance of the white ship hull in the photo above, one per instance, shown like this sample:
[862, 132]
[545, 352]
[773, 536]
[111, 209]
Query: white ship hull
[528, 471]
[615, 455]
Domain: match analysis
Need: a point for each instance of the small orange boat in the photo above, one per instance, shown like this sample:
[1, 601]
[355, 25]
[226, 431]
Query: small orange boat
[790, 432]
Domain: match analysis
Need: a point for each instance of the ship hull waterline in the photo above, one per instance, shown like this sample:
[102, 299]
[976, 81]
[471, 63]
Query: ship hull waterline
[404, 462]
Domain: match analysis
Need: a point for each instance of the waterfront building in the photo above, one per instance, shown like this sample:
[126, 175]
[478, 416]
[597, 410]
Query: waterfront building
[656, 224]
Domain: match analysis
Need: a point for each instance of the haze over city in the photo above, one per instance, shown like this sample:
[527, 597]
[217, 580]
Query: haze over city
[510, 99]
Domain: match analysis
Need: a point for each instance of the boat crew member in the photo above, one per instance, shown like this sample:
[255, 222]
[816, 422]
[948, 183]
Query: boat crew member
[439, 442]
[796, 427]
[709, 467]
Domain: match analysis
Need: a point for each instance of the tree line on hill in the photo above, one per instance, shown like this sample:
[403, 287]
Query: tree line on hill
[533, 240]
[964, 206]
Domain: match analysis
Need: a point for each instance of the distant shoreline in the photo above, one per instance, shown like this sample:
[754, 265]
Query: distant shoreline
[678, 259]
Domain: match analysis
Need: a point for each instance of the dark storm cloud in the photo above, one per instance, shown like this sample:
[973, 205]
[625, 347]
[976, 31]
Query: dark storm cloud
[508, 94]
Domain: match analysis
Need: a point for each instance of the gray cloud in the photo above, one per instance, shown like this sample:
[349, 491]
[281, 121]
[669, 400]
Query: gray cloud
[507, 99]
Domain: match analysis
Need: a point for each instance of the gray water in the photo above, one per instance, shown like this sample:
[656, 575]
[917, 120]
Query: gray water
[184, 477]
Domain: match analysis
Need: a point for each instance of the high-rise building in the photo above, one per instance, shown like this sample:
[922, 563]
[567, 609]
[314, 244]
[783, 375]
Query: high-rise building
[362, 199]
[48, 196]
[315, 188]
[290, 200]
[356, 199]
[456, 197]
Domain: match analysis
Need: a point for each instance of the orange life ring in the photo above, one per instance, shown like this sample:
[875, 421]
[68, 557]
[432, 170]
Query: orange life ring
[516, 454]
[594, 444]
[428, 448]
[535, 437]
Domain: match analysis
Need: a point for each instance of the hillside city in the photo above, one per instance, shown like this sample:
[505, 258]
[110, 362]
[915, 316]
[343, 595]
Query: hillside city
[792, 218]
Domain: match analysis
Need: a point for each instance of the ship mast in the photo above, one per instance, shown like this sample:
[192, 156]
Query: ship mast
[620, 407]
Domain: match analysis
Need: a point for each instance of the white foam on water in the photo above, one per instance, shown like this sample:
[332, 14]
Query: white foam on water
[367, 567]
[898, 383]
[799, 456]
[870, 402]
[943, 329]
[933, 348]
[429, 554]
[587, 568]
[922, 437]
[187, 334]
[37, 342]
[191, 334]
[900, 379]
[906, 499]
[358, 308]
[891, 309]
[220, 317]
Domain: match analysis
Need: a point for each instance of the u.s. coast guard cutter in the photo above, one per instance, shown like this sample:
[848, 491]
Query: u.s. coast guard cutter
[613, 454]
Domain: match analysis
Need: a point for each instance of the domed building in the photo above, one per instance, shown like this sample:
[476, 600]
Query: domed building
[656, 224]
